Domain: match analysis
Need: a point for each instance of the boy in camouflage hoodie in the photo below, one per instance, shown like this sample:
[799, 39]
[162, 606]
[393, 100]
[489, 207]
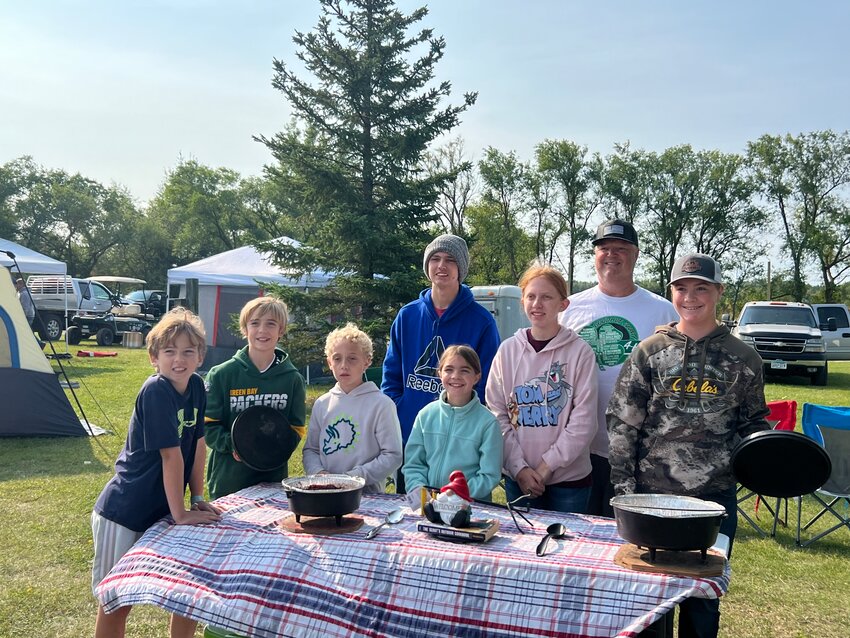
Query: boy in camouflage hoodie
[681, 403]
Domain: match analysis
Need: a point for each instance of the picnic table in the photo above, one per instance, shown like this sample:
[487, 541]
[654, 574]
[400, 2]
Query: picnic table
[252, 576]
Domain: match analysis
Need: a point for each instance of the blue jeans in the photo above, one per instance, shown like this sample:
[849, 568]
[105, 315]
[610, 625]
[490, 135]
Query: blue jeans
[555, 499]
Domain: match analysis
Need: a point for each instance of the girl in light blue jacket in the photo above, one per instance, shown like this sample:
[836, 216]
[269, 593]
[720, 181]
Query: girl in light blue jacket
[455, 432]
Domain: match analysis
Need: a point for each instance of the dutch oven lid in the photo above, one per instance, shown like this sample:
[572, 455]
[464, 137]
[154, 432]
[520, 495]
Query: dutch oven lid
[667, 506]
[261, 437]
[780, 464]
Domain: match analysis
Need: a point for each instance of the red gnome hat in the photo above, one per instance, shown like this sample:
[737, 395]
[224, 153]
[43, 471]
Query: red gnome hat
[457, 484]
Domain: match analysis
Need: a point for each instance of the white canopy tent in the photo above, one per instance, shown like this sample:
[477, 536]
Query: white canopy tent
[28, 260]
[244, 266]
[226, 282]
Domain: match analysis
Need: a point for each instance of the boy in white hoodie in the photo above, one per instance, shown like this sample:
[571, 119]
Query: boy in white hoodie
[354, 428]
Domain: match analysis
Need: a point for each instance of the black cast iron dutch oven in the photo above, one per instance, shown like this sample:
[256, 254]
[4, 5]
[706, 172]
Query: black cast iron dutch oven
[665, 521]
[323, 495]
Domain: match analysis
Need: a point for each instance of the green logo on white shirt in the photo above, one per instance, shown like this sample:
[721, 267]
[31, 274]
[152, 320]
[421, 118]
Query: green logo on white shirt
[612, 340]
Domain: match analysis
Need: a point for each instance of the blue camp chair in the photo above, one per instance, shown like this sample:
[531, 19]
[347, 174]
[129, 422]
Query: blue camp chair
[829, 426]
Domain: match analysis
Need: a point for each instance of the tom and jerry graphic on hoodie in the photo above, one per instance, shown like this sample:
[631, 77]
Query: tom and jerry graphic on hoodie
[545, 403]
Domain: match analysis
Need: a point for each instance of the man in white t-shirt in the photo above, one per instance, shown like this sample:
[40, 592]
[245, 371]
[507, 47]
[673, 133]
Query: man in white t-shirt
[612, 317]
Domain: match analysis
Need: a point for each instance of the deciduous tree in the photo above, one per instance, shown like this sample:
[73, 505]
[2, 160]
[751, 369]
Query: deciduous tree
[450, 165]
[801, 179]
[505, 197]
[575, 181]
[68, 217]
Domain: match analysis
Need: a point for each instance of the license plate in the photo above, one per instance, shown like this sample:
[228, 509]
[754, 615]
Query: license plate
[778, 365]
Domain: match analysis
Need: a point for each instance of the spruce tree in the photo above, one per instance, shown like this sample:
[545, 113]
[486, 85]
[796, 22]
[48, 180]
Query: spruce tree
[349, 167]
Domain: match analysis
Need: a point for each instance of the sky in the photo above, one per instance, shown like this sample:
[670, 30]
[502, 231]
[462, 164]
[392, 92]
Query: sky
[122, 91]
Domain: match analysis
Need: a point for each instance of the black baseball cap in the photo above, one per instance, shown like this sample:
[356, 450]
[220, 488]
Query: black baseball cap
[696, 266]
[616, 229]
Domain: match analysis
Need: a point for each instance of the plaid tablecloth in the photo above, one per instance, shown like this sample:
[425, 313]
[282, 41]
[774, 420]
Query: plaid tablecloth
[247, 575]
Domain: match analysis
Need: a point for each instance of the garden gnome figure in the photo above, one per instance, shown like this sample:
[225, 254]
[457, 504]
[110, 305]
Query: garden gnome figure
[453, 506]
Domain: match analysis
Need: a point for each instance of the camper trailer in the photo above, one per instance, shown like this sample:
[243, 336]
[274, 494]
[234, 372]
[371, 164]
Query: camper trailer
[505, 304]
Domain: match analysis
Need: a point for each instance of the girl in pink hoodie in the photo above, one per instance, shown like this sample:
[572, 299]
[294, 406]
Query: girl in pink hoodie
[542, 388]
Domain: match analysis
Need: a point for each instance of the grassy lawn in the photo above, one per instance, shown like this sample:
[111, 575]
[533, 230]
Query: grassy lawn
[50, 485]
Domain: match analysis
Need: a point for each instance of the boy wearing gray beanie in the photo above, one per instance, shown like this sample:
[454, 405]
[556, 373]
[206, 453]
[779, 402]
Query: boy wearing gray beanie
[445, 314]
[452, 245]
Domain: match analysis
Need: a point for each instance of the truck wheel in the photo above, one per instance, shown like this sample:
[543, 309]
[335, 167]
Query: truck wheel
[50, 327]
[75, 335]
[145, 332]
[105, 337]
[819, 377]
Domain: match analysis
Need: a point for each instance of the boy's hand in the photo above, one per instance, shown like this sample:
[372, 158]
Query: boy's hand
[236, 457]
[196, 517]
[203, 506]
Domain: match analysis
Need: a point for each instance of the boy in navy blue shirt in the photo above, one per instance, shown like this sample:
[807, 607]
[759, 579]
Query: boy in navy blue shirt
[164, 452]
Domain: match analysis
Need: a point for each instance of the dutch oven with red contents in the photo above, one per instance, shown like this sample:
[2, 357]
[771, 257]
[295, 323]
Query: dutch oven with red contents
[323, 495]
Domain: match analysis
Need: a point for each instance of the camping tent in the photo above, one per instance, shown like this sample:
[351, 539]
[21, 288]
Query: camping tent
[33, 402]
[28, 260]
[33, 263]
[226, 282]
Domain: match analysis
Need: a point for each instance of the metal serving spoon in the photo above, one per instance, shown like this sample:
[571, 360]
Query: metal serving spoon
[556, 531]
[391, 519]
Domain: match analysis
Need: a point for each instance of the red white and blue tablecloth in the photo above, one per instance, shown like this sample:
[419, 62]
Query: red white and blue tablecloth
[248, 575]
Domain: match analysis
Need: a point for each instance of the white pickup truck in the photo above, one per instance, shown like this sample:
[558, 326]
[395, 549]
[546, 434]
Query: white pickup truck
[788, 337]
[56, 298]
[836, 337]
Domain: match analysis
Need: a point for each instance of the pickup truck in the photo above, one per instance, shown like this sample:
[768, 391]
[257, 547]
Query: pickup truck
[57, 300]
[788, 337]
[836, 338]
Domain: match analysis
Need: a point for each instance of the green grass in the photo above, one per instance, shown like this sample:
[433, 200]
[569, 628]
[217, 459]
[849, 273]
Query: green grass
[48, 487]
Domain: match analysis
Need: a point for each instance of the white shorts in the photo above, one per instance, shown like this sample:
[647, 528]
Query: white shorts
[111, 542]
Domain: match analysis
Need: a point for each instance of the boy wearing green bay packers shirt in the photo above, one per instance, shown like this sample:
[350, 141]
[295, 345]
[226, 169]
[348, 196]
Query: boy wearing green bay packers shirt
[259, 374]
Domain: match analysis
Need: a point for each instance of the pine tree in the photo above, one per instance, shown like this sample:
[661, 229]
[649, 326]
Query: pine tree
[349, 166]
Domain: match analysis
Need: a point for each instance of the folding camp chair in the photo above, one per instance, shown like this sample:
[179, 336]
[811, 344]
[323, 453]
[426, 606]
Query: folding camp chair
[829, 426]
[783, 416]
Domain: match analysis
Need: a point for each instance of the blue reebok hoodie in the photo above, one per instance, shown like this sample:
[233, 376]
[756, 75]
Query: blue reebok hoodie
[419, 337]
